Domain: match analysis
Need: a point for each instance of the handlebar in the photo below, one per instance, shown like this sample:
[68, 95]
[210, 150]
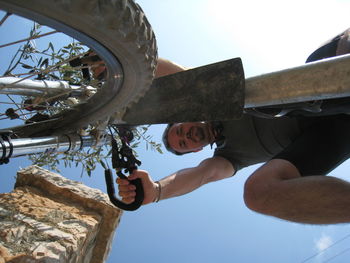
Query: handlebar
[111, 192]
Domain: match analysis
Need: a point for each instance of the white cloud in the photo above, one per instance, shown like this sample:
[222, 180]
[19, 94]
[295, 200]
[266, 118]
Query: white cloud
[323, 243]
[275, 34]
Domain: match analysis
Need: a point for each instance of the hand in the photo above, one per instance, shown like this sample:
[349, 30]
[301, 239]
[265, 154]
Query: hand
[98, 68]
[344, 44]
[127, 191]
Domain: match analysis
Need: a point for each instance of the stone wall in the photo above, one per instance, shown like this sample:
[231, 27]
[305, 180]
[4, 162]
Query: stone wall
[48, 218]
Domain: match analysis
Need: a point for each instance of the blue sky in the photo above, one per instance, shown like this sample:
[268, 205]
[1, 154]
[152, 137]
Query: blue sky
[212, 223]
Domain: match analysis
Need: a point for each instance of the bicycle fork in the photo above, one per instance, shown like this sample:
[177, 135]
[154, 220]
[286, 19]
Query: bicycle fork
[63, 143]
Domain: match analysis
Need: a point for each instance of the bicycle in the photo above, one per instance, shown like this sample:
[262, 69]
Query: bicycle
[119, 33]
[130, 58]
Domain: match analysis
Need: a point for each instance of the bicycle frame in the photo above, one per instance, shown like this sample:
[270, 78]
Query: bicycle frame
[64, 143]
[325, 79]
[320, 80]
[43, 88]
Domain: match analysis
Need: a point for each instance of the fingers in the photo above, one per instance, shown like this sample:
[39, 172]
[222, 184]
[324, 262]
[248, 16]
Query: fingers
[344, 44]
[97, 67]
[126, 190]
[138, 174]
[98, 70]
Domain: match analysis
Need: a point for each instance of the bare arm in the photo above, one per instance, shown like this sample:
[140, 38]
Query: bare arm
[179, 183]
[187, 180]
[167, 67]
[164, 67]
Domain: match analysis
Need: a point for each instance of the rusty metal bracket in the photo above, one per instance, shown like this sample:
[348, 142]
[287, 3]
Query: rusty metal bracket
[212, 92]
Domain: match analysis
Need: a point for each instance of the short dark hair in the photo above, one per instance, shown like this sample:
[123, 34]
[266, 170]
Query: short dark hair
[166, 142]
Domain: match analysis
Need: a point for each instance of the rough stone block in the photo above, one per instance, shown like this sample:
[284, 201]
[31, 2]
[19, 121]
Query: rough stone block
[49, 218]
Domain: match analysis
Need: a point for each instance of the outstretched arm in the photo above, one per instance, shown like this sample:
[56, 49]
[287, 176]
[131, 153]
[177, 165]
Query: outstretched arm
[187, 180]
[167, 67]
[164, 67]
[179, 183]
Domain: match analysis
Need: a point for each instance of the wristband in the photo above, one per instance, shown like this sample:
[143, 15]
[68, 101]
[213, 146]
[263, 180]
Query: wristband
[159, 190]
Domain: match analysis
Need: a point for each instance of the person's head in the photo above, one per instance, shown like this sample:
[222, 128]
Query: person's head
[186, 137]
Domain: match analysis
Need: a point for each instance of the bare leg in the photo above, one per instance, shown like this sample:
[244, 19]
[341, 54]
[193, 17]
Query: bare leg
[277, 189]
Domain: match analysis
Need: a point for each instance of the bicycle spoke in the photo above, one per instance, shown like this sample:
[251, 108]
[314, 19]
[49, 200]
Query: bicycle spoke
[47, 108]
[5, 18]
[45, 71]
[18, 108]
[29, 38]
[24, 105]
[18, 118]
[53, 70]
[40, 103]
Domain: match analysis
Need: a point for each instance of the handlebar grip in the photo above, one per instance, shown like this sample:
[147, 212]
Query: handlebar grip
[115, 201]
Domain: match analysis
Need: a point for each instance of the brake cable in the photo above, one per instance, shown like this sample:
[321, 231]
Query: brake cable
[5, 139]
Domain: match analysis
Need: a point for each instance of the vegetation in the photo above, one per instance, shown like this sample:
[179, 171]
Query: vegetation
[52, 63]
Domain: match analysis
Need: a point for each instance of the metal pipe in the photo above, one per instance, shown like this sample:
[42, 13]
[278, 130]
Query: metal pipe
[44, 88]
[64, 143]
[325, 79]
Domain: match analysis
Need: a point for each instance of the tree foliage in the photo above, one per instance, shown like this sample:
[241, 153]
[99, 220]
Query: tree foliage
[52, 63]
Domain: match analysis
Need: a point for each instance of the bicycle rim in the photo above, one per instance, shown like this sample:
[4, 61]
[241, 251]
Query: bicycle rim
[121, 36]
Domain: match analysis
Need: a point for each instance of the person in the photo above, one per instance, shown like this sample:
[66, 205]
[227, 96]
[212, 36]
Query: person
[297, 152]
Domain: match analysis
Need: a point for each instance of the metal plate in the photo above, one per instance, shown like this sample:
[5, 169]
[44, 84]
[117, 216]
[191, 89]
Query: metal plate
[212, 92]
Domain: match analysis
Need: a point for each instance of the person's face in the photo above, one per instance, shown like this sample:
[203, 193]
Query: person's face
[189, 136]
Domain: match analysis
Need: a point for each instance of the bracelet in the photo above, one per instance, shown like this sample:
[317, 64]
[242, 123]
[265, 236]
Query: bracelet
[159, 189]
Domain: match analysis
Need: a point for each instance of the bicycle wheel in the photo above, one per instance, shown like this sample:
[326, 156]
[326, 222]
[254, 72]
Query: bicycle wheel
[119, 33]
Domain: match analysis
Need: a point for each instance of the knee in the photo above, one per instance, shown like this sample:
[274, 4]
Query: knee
[264, 187]
[256, 194]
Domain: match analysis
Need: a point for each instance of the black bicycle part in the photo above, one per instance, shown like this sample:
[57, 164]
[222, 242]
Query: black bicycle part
[6, 137]
[317, 108]
[115, 201]
[124, 159]
[308, 108]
